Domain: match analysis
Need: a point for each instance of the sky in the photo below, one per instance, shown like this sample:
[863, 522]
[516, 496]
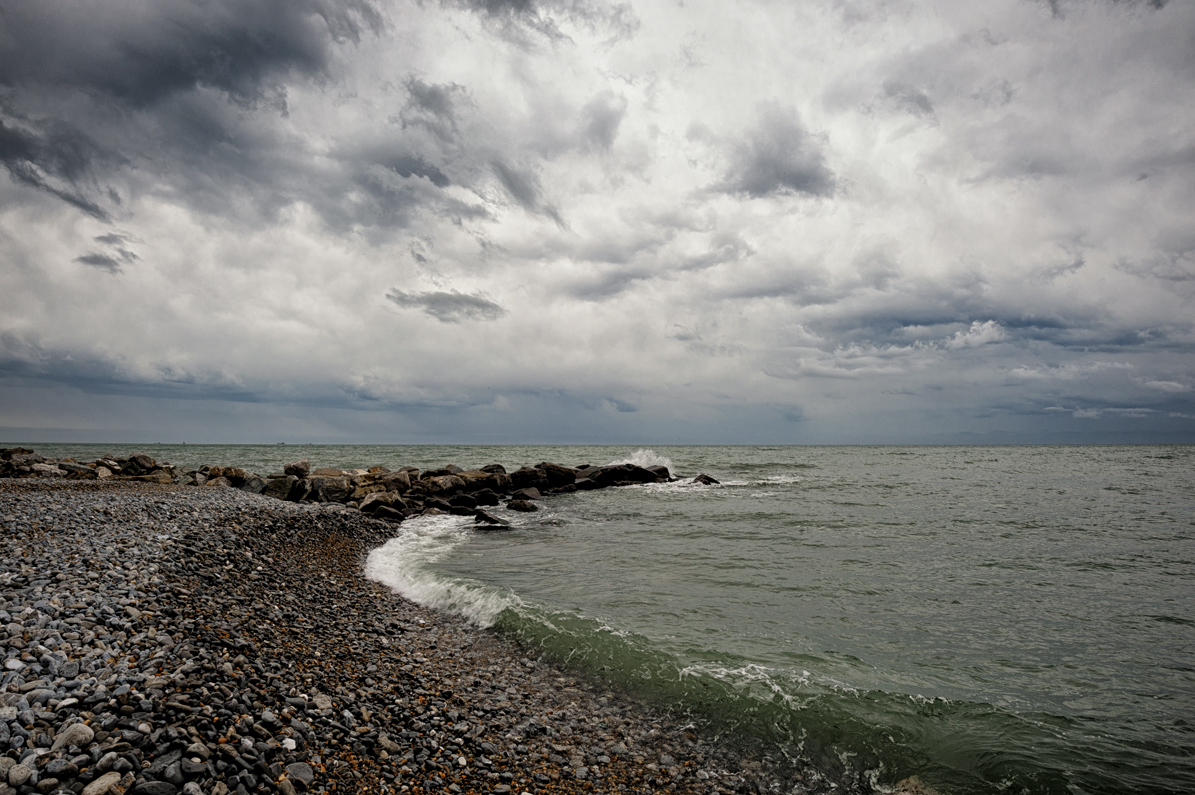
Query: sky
[587, 221]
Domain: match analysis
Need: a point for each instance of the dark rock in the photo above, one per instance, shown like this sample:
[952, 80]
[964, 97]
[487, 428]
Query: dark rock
[522, 505]
[498, 468]
[155, 788]
[485, 517]
[254, 484]
[463, 501]
[328, 489]
[585, 484]
[142, 462]
[443, 485]
[386, 513]
[625, 473]
[301, 772]
[556, 474]
[529, 493]
[661, 472]
[279, 488]
[704, 480]
[528, 477]
[486, 497]
[300, 468]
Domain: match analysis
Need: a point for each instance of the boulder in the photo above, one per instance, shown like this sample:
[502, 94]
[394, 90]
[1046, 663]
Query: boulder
[254, 484]
[388, 514]
[327, 489]
[494, 468]
[529, 493]
[374, 500]
[396, 481]
[439, 485]
[327, 472]
[218, 482]
[361, 491]
[47, 471]
[476, 479]
[522, 505]
[300, 468]
[487, 518]
[556, 474]
[143, 462]
[585, 484]
[704, 480]
[463, 501]
[485, 497]
[528, 476]
[661, 472]
[236, 475]
[280, 488]
[623, 474]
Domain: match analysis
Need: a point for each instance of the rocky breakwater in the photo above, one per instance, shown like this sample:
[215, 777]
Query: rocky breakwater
[390, 495]
[158, 639]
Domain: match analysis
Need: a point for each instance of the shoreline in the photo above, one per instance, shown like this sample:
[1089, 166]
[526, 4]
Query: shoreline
[244, 626]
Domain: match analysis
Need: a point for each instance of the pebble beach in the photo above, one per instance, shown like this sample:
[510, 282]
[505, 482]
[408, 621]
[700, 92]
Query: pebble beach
[163, 639]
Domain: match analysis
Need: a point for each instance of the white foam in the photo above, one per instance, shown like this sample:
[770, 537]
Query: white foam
[646, 458]
[402, 563]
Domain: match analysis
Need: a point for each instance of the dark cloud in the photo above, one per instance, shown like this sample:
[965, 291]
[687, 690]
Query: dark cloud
[910, 99]
[450, 307]
[778, 157]
[523, 186]
[141, 53]
[433, 106]
[601, 118]
[101, 261]
[56, 158]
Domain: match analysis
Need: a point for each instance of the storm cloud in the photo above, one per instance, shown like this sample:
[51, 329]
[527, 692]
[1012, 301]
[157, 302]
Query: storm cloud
[831, 222]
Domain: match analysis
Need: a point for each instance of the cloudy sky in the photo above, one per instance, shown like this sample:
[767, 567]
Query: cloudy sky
[826, 221]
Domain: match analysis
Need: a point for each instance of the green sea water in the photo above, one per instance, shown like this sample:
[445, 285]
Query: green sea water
[990, 619]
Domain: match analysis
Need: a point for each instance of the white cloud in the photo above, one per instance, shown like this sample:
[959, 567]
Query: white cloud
[554, 210]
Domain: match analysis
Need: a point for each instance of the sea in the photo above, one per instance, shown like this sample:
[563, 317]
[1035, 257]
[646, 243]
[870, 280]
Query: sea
[989, 619]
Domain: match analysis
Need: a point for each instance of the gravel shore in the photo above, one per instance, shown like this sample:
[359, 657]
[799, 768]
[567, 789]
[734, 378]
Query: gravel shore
[162, 639]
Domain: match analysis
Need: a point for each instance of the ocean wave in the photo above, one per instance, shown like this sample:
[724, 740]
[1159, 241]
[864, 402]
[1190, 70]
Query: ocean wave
[403, 564]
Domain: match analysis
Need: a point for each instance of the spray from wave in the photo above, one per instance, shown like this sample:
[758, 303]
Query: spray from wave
[646, 458]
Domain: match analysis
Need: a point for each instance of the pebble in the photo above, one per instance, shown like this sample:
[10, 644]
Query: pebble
[162, 639]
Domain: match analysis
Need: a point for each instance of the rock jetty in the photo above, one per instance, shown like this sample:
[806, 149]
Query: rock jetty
[161, 639]
[390, 495]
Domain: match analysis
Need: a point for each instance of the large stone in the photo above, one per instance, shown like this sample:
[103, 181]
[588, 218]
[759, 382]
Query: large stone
[102, 785]
[522, 505]
[76, 734]
[300, 468]
[143, 462]
[704, 480]
[388, 514]
[476, 480]
[155, 788]
[616, 474]
[365, 489]
[254, 484]
[19, 774]
[328, 489]
[327, 472]
[379, 499]
[530, 493]
[529, 476]
[301, 772]
[279, 488]
[396, 481]
[439, 485]
[661, 472]
[556, 474]
[47, 471]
